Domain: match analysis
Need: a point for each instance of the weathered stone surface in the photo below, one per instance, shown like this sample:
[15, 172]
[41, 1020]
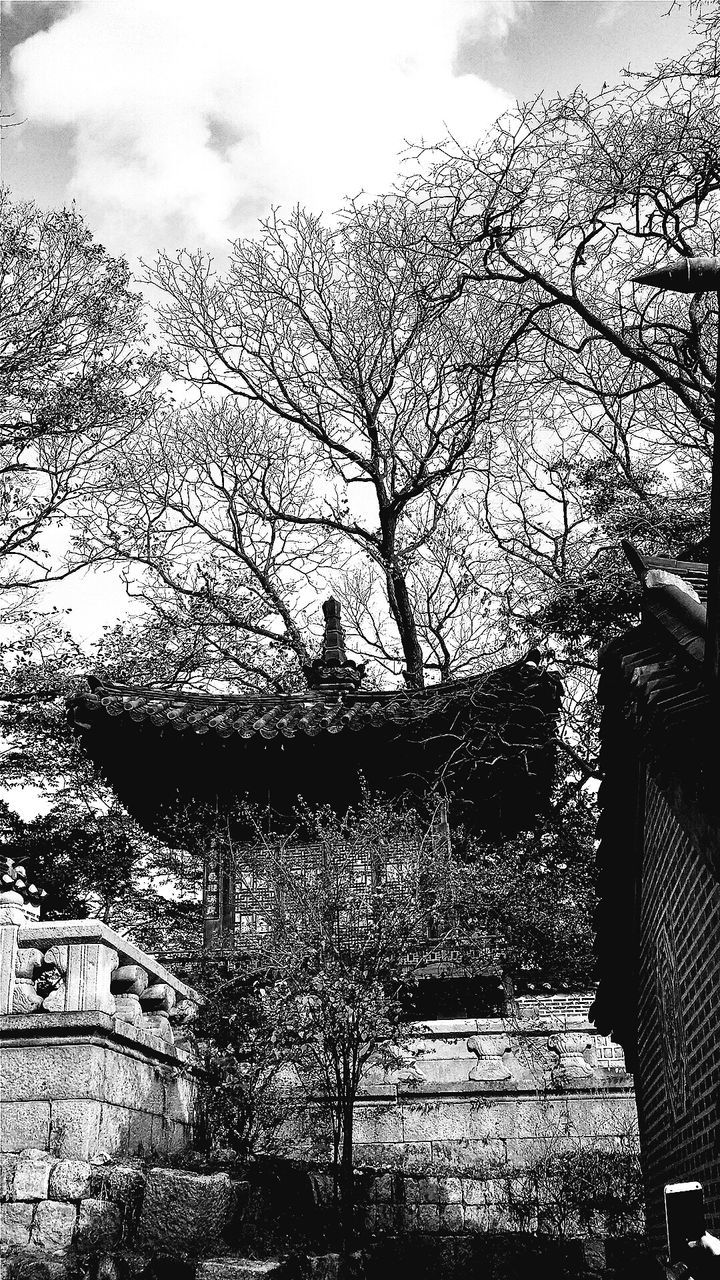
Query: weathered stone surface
[25, 997]
[129, 979]
[464, 1154]
[122, 1184]
[159, 998]
[428, 1217]
[158, 1025]
[491, 1065]
[324, 1266]
[449, 1190]
[128, 1008]
[451, 1217]
[99, 1223]
[70, 1180]
[16, 1221]
[382, 1188]
[27, 961]
[53, 1225]
[32, 1174]
[75, 1128]
[189, 1209]
[476, 1217]
[240, 1269]
[7, 1177]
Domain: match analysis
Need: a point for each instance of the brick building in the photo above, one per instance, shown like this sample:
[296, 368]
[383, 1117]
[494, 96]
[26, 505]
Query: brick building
[659, 864]
[486, 740]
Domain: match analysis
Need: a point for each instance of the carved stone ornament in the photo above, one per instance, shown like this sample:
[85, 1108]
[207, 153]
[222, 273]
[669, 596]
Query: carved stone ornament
[571, 1066]
[491, 1067]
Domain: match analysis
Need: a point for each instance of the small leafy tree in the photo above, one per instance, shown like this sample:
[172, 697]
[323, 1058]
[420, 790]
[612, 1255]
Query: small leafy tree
[535, 893]
[342, 906]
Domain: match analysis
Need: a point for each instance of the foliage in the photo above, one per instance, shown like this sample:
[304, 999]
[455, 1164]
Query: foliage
[241, 1103]
[535, 893]
[83, 847]
[74, 378]
[345, 901]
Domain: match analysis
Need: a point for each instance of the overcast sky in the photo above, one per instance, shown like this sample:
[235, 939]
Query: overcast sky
[172, 123]
[175, 123]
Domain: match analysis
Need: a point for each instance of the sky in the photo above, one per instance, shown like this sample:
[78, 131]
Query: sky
[172, 123]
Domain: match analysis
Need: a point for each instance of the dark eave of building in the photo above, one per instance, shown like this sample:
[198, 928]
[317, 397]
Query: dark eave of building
[488, 734]
[655, 708]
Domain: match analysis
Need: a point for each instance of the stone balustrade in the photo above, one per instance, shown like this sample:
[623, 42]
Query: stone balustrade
[78, 966]
[97, 1053]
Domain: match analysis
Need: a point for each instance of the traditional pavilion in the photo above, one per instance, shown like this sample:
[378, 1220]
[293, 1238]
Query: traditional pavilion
[486, 742]
[658, 922]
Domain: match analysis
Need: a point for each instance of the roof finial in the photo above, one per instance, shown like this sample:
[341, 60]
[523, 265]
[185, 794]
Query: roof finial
[333, 670]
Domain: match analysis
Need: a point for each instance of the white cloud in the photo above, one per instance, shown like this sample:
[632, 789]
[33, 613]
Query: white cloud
[189, 120]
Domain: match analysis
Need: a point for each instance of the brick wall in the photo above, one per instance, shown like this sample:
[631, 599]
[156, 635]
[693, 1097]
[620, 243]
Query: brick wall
[678, 1077]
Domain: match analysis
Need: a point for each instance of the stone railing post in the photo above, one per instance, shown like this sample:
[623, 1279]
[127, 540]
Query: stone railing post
[490, 1052]
[571, 1066]
[16, 910]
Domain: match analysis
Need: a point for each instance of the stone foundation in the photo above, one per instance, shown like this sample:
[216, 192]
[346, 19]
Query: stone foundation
[97, 1058]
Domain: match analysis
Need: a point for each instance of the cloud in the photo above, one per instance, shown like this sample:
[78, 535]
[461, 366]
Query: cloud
[189, 121]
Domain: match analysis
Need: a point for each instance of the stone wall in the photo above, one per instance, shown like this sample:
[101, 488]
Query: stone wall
[471, 1090]
[97, 1056]
[56, 1206]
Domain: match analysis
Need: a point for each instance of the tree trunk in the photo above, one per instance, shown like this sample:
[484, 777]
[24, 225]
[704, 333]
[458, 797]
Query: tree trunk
[401, 605]
[347, 1189]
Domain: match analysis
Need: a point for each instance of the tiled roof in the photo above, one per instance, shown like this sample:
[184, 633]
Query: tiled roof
[288, 715]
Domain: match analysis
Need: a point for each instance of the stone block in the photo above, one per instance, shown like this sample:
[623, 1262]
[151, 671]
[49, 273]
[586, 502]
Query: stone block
[428, 1217]
[16, 1223]
[480, 1191]
[44, 1071]
[324, 1266]
[75, 1128]
[241, 1269]
[408, 1218]
[475, 1217]
[468, 1155]
[139, 1138]
[451, 1217]
[70, 1180]
[383, 1188]
[24, 1124]
[53, 1225]
[32, 1174]
[128, 1009]
[378, 1123]
[129, 979]
[7, 1177]
[168, 1136]
[123, 1184]
[449, 1191]
[159, 998]
[99, 1223]
[192, 1210]
[394, 1155]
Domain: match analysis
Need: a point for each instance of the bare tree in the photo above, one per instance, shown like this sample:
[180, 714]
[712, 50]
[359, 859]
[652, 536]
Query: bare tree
[380, 385]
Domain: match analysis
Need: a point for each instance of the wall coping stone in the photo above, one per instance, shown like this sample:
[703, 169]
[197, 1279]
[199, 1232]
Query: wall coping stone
[618, 1082]
[519, 1027]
